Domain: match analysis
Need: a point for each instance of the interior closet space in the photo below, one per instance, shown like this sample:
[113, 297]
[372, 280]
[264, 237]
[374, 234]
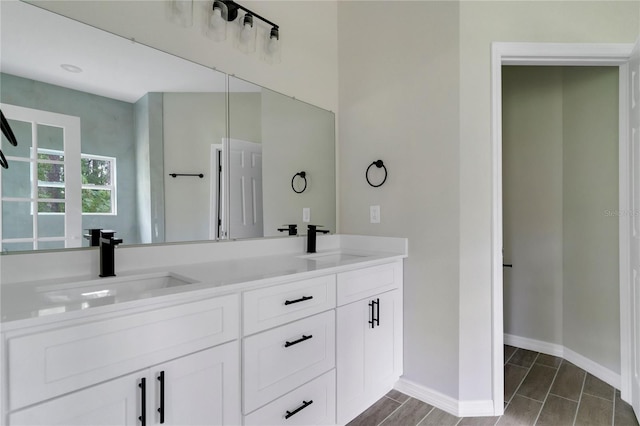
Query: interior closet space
[560, 213]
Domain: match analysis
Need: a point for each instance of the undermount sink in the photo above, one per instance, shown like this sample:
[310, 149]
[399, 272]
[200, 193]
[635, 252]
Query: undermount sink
[333, 257]
[110, 290]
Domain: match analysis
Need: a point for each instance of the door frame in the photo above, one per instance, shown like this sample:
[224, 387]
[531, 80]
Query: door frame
[556, 54]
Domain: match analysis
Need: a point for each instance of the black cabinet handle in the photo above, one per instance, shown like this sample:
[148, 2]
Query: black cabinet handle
[161, 409]
[143, 401]
[304, 405]
[375, 310]
[295, 342]
[302, 299]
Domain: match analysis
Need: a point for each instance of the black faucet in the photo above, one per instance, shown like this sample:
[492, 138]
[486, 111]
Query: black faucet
[107, 253]
[93, 236]
[312, 230]
[292, 229]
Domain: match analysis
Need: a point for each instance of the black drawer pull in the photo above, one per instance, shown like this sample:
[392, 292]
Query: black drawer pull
[161, 409]
[375, 309]
[143, 399]
[302, 299]
[295, 342]
[304, 405]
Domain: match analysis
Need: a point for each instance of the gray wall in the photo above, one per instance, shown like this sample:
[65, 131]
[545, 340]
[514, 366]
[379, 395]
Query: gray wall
[591, 268]
[532, 201]
[296, 137]
[399, 87]
[560, 181]
[107, 128]
[149, 167]
[192, 123]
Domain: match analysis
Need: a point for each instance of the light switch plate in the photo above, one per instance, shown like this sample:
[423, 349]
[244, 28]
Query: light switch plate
[374, 214]
[306, 214]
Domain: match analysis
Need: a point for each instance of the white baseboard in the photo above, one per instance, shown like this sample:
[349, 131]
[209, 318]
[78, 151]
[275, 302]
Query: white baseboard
[445, 402]
[601, 372]
[534, 345]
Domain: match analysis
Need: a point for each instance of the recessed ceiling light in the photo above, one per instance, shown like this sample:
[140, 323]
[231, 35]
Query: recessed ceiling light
[71, 68]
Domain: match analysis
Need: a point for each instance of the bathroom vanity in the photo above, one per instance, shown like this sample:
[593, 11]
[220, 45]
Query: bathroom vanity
[283, 338]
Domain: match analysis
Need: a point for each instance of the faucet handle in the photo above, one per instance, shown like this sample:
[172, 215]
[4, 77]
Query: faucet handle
[292, 229]
[315, 228]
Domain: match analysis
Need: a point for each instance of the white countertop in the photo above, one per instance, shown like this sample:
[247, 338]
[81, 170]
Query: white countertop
[49, 298]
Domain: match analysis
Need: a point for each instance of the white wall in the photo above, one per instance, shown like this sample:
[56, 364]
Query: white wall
[308, 30]
[480, 24]
[399, 103]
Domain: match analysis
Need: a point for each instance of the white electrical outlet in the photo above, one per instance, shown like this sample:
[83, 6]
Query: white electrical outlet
[306, 214]
[374, 214]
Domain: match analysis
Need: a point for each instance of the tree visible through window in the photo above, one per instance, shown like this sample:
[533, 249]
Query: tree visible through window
[98, 188]
[98, 183]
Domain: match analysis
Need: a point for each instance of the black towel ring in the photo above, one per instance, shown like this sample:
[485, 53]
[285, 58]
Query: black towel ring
[303, 175]
[378, 164]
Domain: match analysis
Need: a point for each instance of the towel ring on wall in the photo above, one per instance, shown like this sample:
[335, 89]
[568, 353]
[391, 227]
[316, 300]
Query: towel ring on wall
[200, 175]
[303, 175]
[378, 164]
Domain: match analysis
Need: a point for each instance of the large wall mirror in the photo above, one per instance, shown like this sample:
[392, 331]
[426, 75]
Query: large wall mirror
[104, 124]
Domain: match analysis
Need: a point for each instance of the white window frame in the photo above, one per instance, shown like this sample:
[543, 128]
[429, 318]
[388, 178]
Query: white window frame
[73, 204]
[113, 188]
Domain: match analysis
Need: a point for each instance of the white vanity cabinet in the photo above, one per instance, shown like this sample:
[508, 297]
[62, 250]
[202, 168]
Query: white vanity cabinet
[288, 369]
[369, 337]
[199, 389]
[91, 371]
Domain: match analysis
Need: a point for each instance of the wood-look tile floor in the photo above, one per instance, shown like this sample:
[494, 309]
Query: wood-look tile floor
[539, 389]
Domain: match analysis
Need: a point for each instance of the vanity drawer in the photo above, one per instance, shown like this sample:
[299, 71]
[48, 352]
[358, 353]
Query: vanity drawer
[281, 359]
[47, 364]
[316, 402]
[356, 285]
[273, 306]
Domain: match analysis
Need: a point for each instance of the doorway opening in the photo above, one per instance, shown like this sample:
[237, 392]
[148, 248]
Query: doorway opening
[614, 55]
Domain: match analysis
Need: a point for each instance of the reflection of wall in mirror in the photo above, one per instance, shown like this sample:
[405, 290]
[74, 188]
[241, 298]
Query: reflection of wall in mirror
[107, 128]
[192, 123]
[297, 136]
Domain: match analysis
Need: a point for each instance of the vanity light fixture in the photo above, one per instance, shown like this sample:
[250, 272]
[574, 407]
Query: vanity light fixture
[247, 33]
[272, 47]
[224, 11]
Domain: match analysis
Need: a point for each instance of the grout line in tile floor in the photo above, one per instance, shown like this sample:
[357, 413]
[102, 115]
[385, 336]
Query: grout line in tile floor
[548, 393]
[575, 417]
[613, 412]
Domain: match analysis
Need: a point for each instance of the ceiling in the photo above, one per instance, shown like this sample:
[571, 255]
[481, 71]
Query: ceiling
[34, 43]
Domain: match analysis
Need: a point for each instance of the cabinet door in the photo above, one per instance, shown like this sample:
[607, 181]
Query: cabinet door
[369, 339]
[200, 389]
[117, 402]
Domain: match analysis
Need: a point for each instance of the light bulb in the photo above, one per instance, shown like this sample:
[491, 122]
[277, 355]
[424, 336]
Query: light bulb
[217, 28]
[245, 34]
[273, 46]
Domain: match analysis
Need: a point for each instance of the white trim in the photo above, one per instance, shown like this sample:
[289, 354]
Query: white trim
[554, 349]
[624, 237]
[590, 366]
[584, 54]
[444, 402]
